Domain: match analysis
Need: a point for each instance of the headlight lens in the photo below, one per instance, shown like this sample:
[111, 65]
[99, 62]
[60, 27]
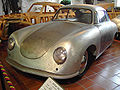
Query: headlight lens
[11, 43]
[60, 55]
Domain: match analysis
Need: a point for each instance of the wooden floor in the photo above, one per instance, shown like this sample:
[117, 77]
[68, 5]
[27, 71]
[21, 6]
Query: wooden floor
[104, 74]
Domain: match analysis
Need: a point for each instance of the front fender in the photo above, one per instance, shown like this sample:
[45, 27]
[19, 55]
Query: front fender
[76, 46]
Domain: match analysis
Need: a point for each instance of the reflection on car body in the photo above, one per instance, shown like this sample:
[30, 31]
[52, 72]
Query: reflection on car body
[62, 48]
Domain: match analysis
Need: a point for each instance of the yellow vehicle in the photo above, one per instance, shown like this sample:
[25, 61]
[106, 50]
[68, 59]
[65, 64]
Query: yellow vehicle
[38, 12]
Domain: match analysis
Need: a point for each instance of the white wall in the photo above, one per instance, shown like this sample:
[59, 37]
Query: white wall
[1, 9]
[77, 1]
[117, 3]
[108, 1]
[81, 1]
[27, 3]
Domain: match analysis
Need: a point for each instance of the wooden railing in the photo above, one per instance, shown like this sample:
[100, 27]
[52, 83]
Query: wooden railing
[113, 14]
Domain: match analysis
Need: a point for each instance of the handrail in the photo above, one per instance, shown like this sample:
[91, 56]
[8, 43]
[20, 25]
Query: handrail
[5, 77]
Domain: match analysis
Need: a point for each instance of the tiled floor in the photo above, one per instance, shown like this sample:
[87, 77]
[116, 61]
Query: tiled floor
[104, 74]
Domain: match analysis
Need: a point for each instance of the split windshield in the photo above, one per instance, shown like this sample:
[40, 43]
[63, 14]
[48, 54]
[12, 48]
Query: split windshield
[77, 15]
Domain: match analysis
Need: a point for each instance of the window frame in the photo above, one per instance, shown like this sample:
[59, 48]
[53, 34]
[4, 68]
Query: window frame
[105, 17]
[56, 15]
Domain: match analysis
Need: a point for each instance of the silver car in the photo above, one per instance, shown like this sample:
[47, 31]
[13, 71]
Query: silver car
[62, 48]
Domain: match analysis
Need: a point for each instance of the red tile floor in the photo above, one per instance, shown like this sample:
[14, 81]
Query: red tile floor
[104, 73]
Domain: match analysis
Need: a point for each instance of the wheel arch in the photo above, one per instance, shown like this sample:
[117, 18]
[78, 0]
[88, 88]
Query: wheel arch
[117, 36]
[92, 51]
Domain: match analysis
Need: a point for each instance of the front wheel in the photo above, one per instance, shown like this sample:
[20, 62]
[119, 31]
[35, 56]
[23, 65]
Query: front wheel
[85, 63]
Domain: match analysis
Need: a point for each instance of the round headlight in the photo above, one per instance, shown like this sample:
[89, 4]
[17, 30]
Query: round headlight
[60, 55]
[11, 43]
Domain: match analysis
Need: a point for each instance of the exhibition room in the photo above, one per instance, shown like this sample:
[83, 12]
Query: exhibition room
[59, 44]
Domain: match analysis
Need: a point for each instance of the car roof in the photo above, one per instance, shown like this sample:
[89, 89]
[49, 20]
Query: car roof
[107, 6]
[52, 4]
[87, 6]
[47, 3]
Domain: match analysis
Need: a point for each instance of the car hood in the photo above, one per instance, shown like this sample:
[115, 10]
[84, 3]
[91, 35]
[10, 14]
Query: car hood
[37, 44]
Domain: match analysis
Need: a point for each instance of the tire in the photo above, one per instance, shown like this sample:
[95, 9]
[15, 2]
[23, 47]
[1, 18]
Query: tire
[86, 61]
[0, 40]
[117, 36]
[89, 58]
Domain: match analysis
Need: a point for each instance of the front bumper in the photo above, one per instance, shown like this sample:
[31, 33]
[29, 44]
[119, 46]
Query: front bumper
[39, 72]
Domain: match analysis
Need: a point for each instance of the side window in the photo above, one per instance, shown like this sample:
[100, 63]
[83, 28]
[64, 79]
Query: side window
[49, 9]
[102, 16]
[36, 8]
[84, 15]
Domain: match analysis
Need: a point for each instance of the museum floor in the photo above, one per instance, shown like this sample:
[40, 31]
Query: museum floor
[104, 74]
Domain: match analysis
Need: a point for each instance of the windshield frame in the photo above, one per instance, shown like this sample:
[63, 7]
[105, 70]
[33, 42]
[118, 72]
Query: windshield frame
[56, 14]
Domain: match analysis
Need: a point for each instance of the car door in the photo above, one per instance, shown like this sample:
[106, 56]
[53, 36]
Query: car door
[106, 29]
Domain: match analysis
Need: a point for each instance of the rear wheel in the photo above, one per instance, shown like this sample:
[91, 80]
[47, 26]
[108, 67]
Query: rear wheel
[117, 36]
[0, 40]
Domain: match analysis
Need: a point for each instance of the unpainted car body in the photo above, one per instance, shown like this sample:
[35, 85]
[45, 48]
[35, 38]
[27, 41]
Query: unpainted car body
[114, 15]
[62, 48]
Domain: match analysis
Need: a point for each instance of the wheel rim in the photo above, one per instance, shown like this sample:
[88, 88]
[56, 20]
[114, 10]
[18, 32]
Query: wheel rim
[84, 62]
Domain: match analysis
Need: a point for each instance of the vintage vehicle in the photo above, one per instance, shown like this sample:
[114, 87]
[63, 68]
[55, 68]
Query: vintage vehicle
[64, 47]
[116, 20]
[42, 12]
[38, 12]
[9, 25]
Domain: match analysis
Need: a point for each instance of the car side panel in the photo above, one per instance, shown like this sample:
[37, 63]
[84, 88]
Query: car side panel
[79, 44]
[107, 31]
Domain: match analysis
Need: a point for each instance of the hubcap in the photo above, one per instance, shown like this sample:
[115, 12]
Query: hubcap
[84, 62]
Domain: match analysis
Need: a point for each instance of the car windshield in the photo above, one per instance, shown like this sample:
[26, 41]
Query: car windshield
[76, 15]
